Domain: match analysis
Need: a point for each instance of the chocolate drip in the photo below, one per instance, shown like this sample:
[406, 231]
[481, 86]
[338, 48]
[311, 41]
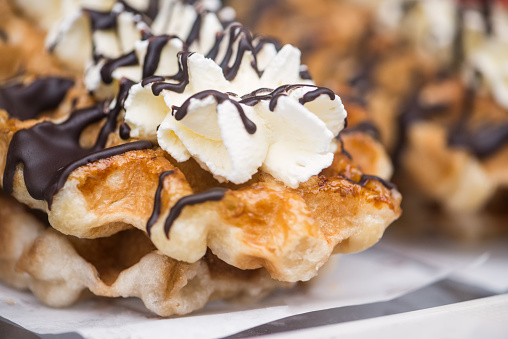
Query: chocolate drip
[342, 149]
[150, 13]
[195, 30]
[182, 77]
[255, 97]
[153, 78]
[111, 65]
[385, 183]
[3, 36]
[49, 151]
[244, 38]
[261, 41]
[181, 112]
[153, 9]
[214, 194]
[153, 54]
[486, 10]
[362, 81]
[354, 99]
[101, 20]
[413, 110]
[305, 75]
[157, 202]
[458, 42]
[27, 102]
[365, 127]
[212, 53]
[483, 142]
[125, 131]
[313, 95]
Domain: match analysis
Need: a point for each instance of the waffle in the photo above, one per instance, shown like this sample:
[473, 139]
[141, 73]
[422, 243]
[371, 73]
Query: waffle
[105, 184]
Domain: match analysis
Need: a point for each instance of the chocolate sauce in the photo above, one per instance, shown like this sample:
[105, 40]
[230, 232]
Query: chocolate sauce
[220, 97]
[150, 13]
[3, 36]
[483, 142]
[458, 41]
[273, 96]
[214, 194]
[150, 79]
[212, 53]
[153, 54]
[101, 20]
[486, 10]
[182, 76]
[354, 99]
[385, 183]
[342, 149]
[305, 75]
[153, 9]
[124, 131]
[365, 127]
[157, 202]
[261, 41]
[244, 38]
[49, 151]
[195, 30]
[110, 66]
[27, 102]
[411, 111]
[313, 95]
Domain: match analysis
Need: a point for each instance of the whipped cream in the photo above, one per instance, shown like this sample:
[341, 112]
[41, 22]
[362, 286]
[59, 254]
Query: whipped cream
[486, 52]
[287, 132]
[108, 29]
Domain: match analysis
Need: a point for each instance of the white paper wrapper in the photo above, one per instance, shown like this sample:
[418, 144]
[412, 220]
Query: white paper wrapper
[384, 272]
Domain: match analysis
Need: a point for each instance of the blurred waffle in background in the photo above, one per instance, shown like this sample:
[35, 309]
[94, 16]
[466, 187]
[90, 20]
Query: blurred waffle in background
[428, 78]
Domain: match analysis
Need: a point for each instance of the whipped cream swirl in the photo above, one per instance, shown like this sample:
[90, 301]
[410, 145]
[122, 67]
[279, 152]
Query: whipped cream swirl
[287, 132]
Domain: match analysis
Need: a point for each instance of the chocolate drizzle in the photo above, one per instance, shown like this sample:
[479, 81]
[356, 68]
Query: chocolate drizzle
[27, 102]
[157, 202]
[365, 127]
[212, 53]
[101, 20]
[49, 152]
[342, 148]
[255, 97]
[385, 183]
[195, 30]
[486, 10]
[110, 66]
[153, 54]
[241, 36]
[124, 131]
[150, 13]
[214, 194]
[220, 97]
[485, 140]
[313, 95]
[3, 36]
[182, 77]
[305, 75]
